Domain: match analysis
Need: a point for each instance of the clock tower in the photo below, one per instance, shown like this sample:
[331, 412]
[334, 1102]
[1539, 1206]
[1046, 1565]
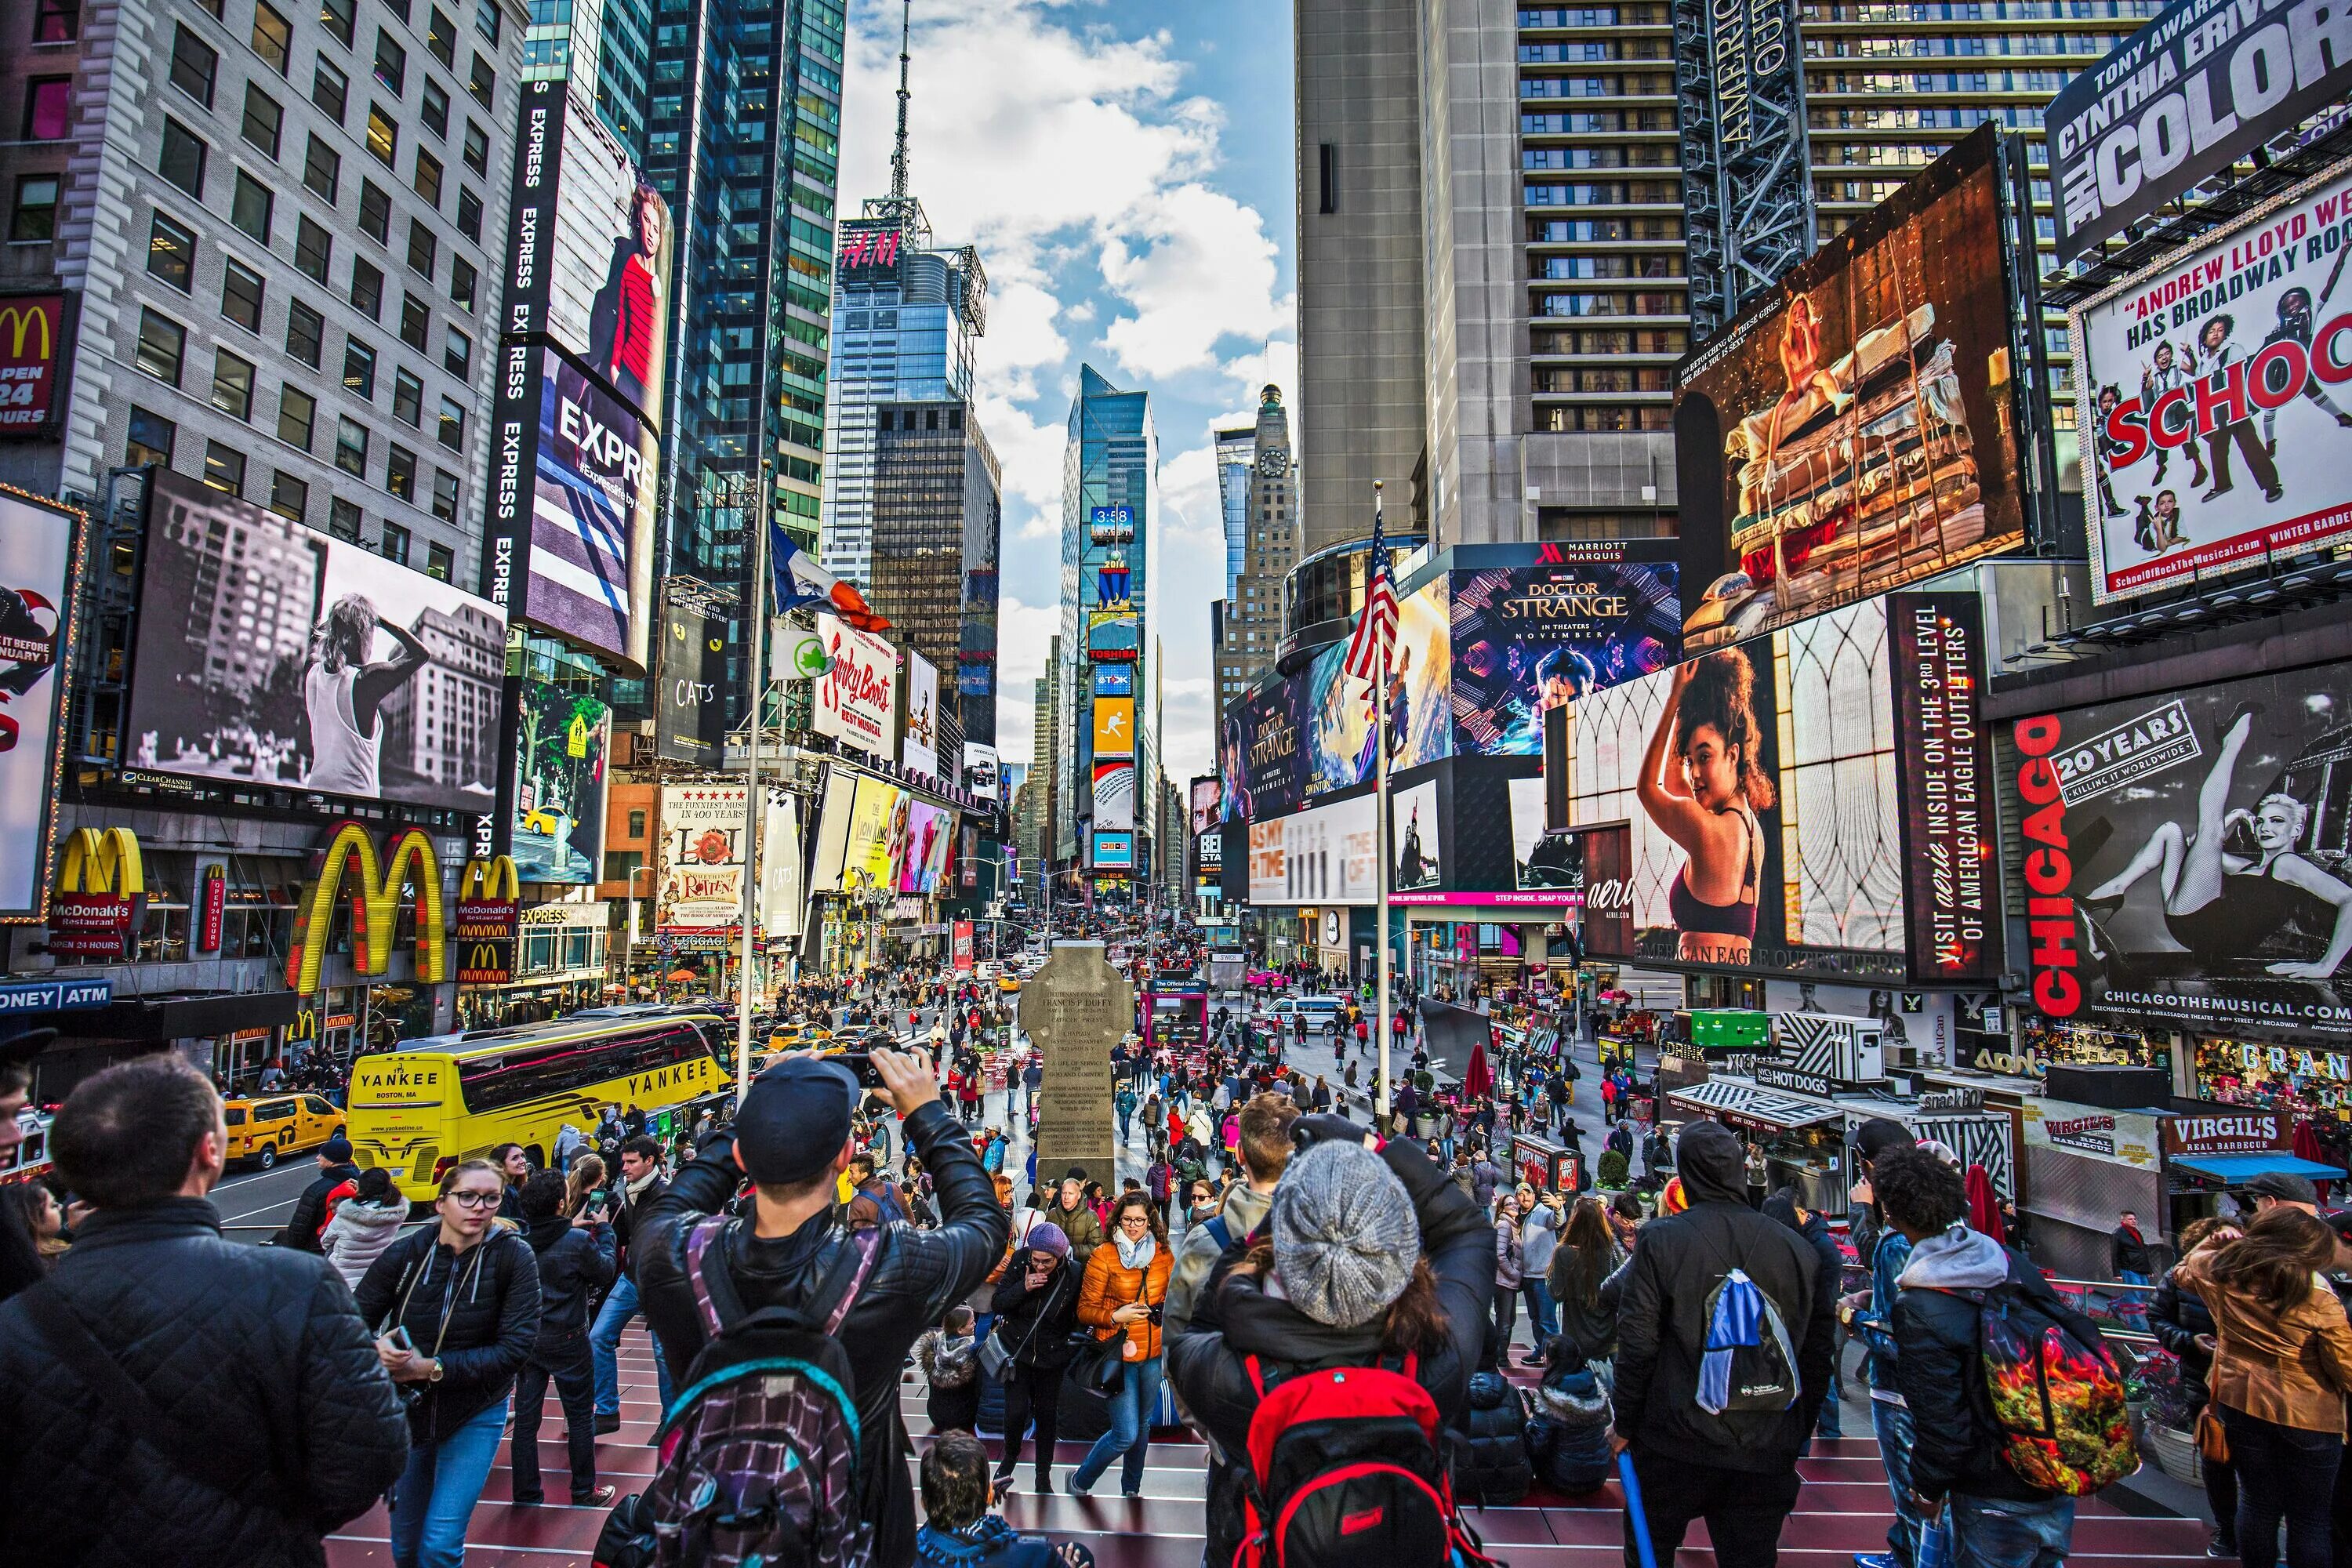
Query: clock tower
[1251, 625]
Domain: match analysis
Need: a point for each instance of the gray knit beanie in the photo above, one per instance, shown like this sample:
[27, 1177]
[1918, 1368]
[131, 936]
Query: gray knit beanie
[1345, 1239]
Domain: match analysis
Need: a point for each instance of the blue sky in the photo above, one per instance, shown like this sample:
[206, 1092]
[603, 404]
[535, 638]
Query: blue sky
[1126, 170]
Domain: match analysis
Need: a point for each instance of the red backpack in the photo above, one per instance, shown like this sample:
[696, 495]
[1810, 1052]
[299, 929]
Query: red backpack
[1345, 1470]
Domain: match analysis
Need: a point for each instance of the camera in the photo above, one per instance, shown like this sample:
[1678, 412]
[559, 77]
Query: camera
[861, 1065]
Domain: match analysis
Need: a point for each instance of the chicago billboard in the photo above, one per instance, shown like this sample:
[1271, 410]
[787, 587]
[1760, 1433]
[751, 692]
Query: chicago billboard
[2190, 93]
[265, 653]
[2221, 384]
[1855, 429]
[2187, 855]
[40, 571]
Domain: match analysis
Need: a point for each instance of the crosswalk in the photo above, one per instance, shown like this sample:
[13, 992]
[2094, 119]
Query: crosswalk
[1843, 1509]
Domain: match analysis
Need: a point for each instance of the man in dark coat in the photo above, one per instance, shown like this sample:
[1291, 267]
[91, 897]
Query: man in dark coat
[310, 1217]
[168, 1395]
[791, 1137]
[1737, 1470]
[1783, 1206]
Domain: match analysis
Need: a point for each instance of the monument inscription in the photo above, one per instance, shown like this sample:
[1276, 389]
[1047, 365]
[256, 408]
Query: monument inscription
[1074, 1010]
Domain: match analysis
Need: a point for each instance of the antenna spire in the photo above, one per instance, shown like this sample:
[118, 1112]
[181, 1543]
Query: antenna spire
[899, 152]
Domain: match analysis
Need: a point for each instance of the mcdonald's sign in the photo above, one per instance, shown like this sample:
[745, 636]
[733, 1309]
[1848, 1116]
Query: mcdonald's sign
[32, 333]
[490, 903]
[408, 862]
[101, 892]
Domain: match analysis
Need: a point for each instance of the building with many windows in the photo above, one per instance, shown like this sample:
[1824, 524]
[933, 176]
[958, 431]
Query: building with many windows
[937, 515]
[1249, 627]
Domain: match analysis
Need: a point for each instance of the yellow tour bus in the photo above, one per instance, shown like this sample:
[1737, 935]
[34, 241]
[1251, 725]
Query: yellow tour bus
[446, 1098]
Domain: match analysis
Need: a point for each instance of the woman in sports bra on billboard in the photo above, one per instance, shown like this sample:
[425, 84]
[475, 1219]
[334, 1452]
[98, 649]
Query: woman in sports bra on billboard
[1702, 783]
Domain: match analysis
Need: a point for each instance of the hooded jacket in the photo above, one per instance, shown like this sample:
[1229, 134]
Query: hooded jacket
[1939, 1370]
[310, 1216]
[256, 1349]
[1830, 1269]
[1244, 1211]
[1234, 1318]
[573, 1264]
[480, 1307]
[1567, 1430]
[360, 1232]
[1661, 1320]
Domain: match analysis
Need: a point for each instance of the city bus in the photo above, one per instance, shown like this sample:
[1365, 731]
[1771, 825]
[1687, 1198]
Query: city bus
[446, 1098]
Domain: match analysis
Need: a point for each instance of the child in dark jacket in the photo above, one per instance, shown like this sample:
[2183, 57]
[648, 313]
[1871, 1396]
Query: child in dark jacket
[949, 1357]
[1567, 1435]
[959, 1531]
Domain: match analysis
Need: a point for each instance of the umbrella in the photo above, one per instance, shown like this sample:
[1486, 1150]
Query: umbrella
[1478, 1079]
[681, 976]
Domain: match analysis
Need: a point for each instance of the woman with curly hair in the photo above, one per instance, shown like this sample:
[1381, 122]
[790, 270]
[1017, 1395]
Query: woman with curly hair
[1702, 783]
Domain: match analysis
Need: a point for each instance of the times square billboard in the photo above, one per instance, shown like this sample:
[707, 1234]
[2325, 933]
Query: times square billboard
[2220, 389]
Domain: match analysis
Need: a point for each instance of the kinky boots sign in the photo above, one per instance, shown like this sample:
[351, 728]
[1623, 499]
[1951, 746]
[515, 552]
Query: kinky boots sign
[1074, 1010]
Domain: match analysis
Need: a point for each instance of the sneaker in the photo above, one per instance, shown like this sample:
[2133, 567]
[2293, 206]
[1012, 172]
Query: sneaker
[1081, 1488]
[1004, 1481]
[1044, 1483]
[600, 1498]
[606, 1425]
[1875, 1560]
[528, 1501]
[2219, 1544]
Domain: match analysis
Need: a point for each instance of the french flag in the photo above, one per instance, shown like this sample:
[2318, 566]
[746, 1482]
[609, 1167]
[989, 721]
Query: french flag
[797, 581]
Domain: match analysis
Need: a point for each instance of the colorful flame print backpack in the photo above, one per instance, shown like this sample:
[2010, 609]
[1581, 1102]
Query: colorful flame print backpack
[2057, 1393]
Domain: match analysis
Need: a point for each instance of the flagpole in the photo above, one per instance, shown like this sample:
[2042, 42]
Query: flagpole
[1381, 826]
[759, 607]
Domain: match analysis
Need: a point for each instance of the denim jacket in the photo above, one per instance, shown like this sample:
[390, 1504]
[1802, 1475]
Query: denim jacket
[1877, 1326]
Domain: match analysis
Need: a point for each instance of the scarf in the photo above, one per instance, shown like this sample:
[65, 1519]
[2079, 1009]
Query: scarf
[636, 1189]
[1137, 1254]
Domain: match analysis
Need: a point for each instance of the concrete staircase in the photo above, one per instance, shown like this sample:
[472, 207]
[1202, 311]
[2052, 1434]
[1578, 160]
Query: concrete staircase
[1844, 1509]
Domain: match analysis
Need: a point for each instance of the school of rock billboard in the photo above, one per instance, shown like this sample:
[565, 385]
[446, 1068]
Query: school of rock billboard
[2220, 387]
[2183, 98]
[1855, 429]
[2187, 857]
[1498, 634]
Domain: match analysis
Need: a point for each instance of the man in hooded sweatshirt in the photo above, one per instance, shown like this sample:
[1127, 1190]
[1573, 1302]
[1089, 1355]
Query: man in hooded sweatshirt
[1814, 1230]
[1990, 1516]
[1735, 1468]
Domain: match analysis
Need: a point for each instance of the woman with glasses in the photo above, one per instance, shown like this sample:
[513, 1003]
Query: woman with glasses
[1125, 1290]
[454, 1308]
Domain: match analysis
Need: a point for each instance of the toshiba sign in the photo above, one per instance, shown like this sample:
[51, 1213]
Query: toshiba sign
[2246, 1133]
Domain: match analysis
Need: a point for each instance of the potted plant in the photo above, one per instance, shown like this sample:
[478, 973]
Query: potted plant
[1613, 1171]
[2164, 1403]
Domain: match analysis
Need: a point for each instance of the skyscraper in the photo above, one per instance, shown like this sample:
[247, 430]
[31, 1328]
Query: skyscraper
[912, 496]
[744, 117]
[1110, 510]
[1250, 625]
[1236, 451]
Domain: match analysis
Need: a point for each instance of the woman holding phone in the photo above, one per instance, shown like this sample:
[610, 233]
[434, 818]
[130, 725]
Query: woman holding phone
[456, 1309]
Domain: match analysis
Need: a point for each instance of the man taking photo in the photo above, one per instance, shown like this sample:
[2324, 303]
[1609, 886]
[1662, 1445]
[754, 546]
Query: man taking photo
[792, 1139]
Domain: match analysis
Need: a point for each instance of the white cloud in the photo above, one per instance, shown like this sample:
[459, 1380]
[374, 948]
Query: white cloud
[1024, 633]
[1199, 267]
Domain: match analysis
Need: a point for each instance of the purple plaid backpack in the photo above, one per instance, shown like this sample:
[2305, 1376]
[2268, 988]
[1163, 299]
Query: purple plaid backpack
[760, 1450]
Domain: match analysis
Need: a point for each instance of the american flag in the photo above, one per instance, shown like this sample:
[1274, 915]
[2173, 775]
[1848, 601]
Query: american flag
[1375, 635]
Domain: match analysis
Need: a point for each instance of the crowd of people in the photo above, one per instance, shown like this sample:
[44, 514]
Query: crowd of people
[1339, 1301]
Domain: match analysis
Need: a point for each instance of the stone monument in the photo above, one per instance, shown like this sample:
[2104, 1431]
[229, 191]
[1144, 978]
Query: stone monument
[1074, 1010]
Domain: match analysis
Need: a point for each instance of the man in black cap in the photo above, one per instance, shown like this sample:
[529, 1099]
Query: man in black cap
[309, 1216]
[2273, 1188]
[792, 1139]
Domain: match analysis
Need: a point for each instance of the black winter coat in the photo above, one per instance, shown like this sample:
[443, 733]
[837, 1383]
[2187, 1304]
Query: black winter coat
[1941, 1376]
[310, 1216]
[490, 1297]
[1208, 1362]
[1038, 1326]
[2177, 1318]
[1490, 1456]
[574, 1263]
[916, 1275]
[1662, 1322]
[255, 1350]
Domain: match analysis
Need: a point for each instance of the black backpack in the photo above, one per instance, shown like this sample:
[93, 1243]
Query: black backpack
[758, 1454]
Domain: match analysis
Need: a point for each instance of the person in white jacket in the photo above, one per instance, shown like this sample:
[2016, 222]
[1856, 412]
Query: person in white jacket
[364, 1224]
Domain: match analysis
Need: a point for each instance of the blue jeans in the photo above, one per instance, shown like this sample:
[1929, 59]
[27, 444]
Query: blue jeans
[1130, 1428]
[435, 1494]
[2131, 1306]
[605, 1345]
[1891, 1424]
[1994, 1532]
[1543, 1320]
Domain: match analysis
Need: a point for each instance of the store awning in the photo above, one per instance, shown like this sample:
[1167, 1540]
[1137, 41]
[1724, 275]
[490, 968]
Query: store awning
[1753, 1104]
[2236, 1168]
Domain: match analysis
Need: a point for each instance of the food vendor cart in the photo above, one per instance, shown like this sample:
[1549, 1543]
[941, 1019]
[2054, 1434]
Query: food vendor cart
[1545, 1166]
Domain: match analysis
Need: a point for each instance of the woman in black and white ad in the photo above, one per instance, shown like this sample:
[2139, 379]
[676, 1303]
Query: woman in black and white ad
[343, 694]
[2237, 880]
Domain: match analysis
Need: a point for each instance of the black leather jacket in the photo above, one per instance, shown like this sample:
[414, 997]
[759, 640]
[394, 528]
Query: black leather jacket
[916, 1275]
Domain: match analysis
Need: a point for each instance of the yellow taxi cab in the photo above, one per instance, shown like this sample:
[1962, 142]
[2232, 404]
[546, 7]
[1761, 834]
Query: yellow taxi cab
[268, 1129]
[1008, 984]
